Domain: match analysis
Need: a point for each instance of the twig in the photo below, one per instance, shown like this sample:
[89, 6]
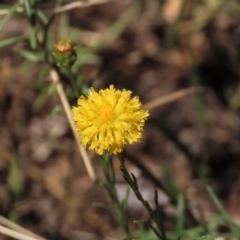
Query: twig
[171, 98]
[14, 226]
[79, 4]
[67, 109]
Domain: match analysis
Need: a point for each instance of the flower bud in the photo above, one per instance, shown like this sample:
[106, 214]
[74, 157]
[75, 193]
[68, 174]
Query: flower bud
[64, 54]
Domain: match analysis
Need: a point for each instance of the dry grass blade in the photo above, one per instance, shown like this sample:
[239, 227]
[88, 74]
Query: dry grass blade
[18, 228]
[5, 11]
[79, 4]
[171, 98]
[67, 109]
[65, 8]
[15, 234]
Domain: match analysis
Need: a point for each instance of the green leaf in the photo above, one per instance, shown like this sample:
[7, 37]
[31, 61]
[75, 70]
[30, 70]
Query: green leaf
[11, 11]
[235, 229]
[102, 205]
[180, 213]
[11, 41]
[4, 6]
[27, 7]
[14, 179]
[124, 202]
[43, 97]
[31, 56]
[33, 38]
[56, 110]
[169, 183]
[42, 16]
[206, 238]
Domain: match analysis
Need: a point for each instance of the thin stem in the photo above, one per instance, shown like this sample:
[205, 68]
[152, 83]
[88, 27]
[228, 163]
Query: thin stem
[71, 80]
[155, 216]
[110, 185]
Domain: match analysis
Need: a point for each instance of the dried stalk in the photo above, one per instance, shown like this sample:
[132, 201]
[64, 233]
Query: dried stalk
[15, 234]
[79, 4]
[171, 97]
[67, 109]
[17, 228]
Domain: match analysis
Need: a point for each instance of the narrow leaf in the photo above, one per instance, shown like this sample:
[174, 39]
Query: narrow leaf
[12, 10]
[11, 41]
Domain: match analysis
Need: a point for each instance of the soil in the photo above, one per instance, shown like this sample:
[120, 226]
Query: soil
[44, 185]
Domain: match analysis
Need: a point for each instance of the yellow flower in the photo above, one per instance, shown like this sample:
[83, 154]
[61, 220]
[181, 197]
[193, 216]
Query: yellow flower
[108, 120]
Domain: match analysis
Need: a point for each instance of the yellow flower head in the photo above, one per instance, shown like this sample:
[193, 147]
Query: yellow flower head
[64, 46]
[108, 120]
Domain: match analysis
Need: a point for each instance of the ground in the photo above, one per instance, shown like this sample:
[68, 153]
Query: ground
[153, 52]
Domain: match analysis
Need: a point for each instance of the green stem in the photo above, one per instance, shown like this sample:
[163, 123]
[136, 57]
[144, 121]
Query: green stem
[119, 206]
[71, 80]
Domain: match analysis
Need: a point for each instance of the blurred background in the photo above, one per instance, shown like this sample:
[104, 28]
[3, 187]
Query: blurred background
[153, 48]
